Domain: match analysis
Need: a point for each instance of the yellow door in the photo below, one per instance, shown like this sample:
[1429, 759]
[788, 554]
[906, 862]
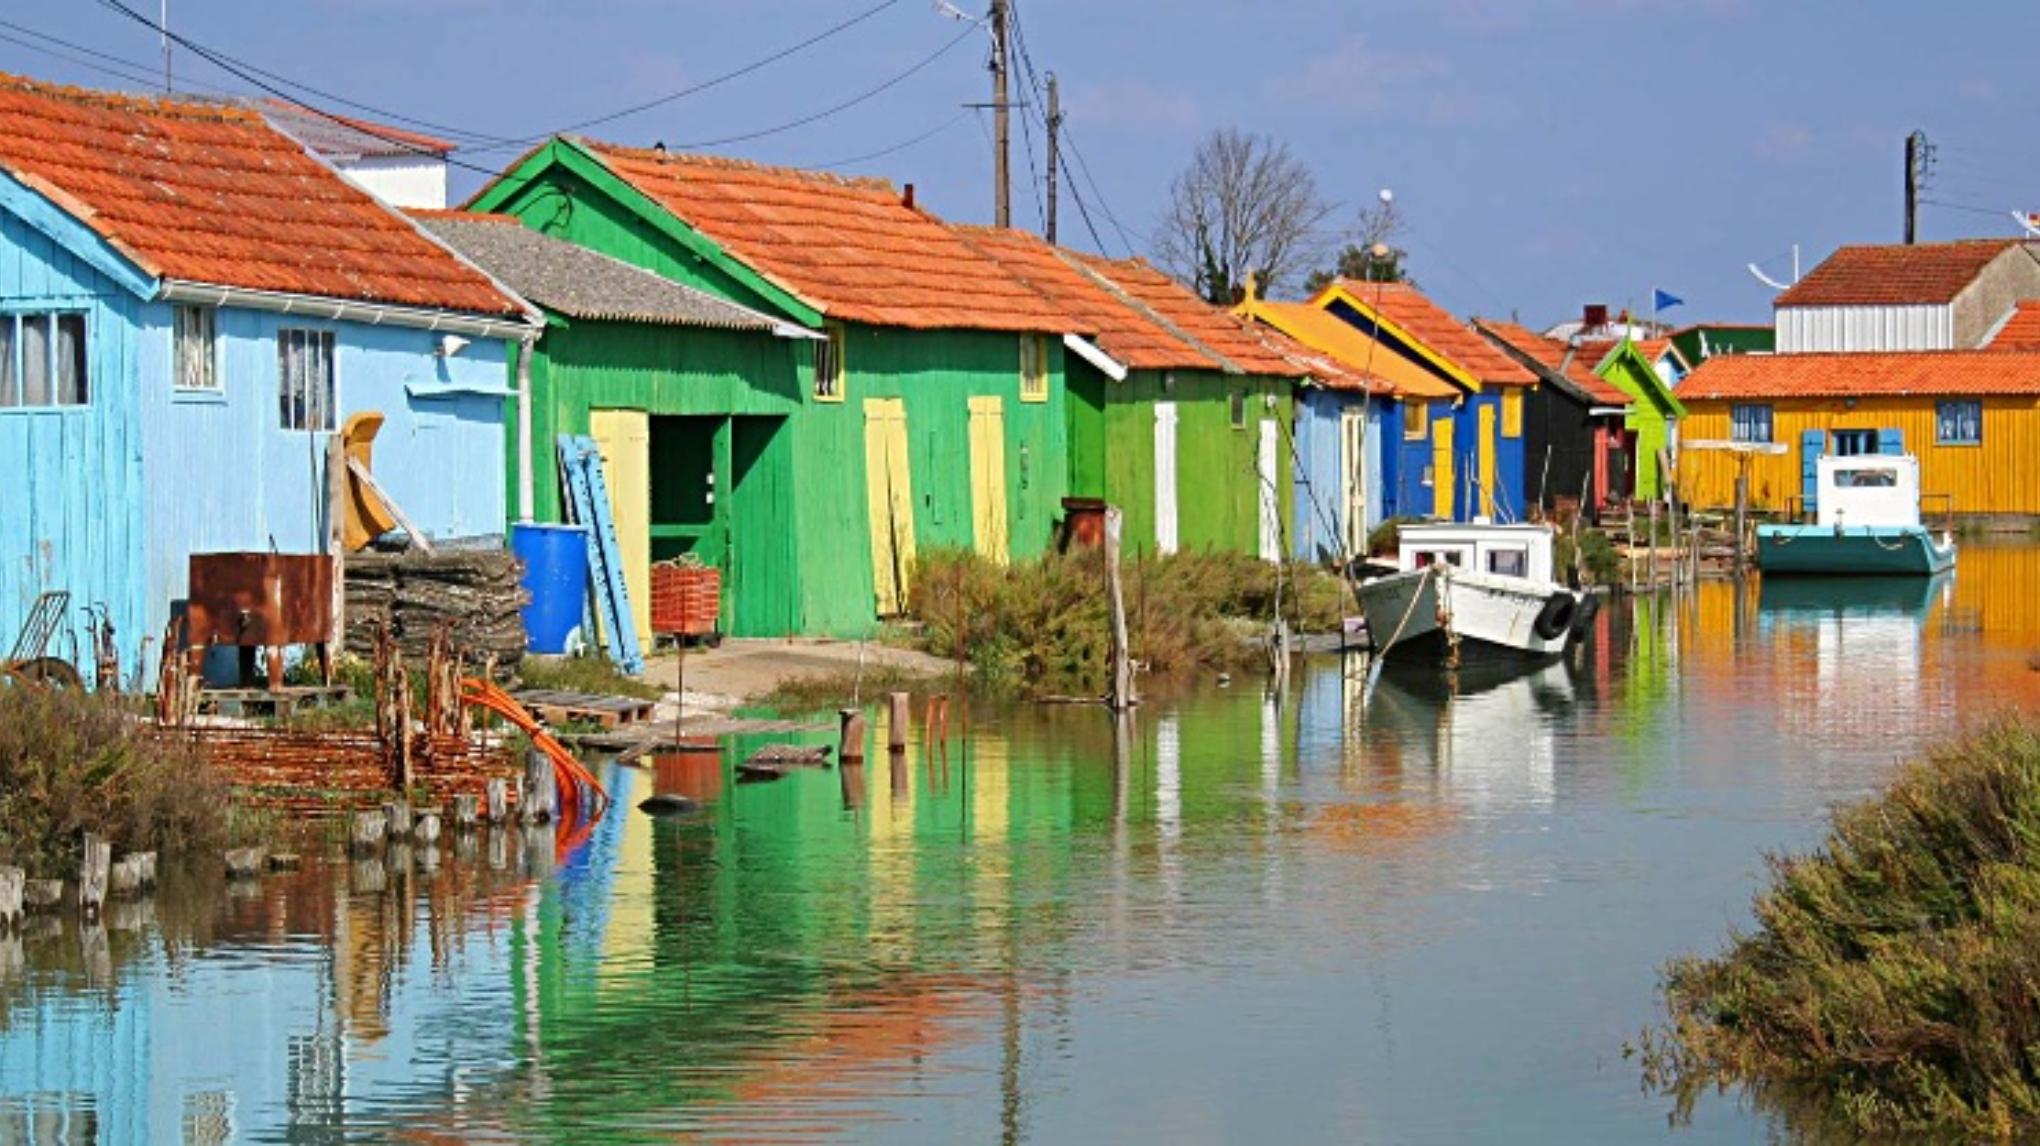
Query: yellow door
[1488, 445]
[1441, 468]
[891, 498]
[988, 477]
[624, 438]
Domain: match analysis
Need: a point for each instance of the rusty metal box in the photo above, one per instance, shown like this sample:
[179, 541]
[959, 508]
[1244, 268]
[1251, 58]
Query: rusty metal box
[260, 600]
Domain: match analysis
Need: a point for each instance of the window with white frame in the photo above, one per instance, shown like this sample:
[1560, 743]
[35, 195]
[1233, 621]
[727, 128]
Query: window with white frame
[43, 360]
[304, 377]
[1958, 423]
[196, 349]
[1749, 423]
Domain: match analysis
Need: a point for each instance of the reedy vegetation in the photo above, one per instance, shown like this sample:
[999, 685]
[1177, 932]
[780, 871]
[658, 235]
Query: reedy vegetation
[1892, 985]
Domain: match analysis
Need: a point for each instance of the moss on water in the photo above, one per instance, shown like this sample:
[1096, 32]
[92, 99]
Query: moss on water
[1891, 986]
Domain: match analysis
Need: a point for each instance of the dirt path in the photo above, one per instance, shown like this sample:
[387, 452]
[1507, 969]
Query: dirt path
[744, 670]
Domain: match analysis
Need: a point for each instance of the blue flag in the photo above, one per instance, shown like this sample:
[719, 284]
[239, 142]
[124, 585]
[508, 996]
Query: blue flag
[1661, 300]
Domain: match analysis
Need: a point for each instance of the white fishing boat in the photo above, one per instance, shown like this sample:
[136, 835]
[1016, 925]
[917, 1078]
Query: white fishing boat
[1473, 591]
[1867, 523]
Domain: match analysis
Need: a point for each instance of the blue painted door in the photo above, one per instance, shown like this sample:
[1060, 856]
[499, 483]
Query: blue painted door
[1811, 445]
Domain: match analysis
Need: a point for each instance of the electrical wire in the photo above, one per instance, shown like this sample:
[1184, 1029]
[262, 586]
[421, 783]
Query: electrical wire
[1068, 142]
[138, 74]
[923, 137]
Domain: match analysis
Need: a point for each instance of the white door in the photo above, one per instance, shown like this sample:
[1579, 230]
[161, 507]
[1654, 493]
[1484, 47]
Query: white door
[1271, 494]
[1353, 480]
[1165, 477]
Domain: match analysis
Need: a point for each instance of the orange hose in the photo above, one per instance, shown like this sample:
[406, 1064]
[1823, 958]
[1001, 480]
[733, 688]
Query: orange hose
[573, 777]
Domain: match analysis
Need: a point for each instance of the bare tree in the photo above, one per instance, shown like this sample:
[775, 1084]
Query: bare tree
[1370, 252]
[1244, 206]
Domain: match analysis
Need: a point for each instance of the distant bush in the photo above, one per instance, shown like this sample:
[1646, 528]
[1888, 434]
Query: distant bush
[1045, 624]
[74, 762]
[1892, 986]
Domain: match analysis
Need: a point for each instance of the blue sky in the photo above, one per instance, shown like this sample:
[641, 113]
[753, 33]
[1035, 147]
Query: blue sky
[1547, 152]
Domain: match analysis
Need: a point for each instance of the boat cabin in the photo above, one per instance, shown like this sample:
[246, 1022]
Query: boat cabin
[1519, 550]
[1869, 489]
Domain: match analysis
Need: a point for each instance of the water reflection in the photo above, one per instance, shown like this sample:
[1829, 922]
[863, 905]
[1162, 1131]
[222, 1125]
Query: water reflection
[1430, 912]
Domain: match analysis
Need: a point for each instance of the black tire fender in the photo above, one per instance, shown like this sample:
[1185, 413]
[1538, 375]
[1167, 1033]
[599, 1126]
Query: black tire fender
[1556, 617]
[1583, 618]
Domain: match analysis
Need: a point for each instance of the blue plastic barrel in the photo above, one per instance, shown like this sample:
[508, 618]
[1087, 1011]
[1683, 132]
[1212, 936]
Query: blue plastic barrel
[556, 575]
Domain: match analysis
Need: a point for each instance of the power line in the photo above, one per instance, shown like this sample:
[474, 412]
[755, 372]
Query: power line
[931, 133]
[1069, 143]
[134, 76]
[144, 73]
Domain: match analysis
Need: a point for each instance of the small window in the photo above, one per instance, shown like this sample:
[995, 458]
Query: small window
[1866, 479]
[1239, 409]
[1033, 368]
[196, 349]
[1452, 557]
[1512, 413]
[1750, 423]
[1509, 562]
[1416, 420]
[1958, 424]
[829, 375]
[1854, 443]
[43, 360]
[304, 375]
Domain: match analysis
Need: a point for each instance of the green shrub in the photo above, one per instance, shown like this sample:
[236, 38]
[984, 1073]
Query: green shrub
[1892, 985]
[74, 762]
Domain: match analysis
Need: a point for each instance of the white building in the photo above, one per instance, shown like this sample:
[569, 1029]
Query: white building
[1927, 296]
[402, 168]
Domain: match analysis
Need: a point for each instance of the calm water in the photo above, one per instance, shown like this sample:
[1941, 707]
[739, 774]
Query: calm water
[1432, 916]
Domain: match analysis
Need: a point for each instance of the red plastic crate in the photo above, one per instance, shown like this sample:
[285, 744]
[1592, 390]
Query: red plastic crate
[686, 599]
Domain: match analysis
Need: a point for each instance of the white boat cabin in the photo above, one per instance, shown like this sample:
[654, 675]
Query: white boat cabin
[1520, 550]
[1869, 489]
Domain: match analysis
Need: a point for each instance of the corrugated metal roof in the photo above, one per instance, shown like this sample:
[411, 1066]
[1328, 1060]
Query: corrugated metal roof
[577, 282]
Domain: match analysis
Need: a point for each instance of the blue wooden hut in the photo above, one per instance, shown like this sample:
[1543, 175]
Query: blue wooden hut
[190, 306]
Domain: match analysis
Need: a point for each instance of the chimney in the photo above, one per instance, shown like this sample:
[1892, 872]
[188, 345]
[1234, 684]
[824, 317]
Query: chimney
[907, 197]
[1594, 315]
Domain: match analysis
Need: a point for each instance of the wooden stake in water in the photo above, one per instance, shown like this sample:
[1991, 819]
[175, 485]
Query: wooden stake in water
[1122, 694]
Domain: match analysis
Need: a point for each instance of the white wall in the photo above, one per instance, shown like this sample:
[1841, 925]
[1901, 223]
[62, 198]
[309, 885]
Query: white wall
[401, 180]
[1806, 329]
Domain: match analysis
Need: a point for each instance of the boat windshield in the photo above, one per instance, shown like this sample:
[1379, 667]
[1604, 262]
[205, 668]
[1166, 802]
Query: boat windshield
[1879, 478]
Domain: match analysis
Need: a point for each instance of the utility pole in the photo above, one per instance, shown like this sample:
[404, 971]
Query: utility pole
[1002, 140]
[1054, 154]
[1919, 161]
[163, 26]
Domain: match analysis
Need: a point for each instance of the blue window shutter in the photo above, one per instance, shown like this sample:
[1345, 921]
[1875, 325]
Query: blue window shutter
[1812, 443]
[1890, 440]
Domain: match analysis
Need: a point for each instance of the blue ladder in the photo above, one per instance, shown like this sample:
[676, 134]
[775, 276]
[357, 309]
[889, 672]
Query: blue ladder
[588, 500]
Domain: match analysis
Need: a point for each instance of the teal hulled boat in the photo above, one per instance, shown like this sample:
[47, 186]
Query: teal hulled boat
[1868, 523]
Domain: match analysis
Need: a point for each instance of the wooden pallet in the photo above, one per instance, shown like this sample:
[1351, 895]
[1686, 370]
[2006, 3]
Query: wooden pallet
[559, 707]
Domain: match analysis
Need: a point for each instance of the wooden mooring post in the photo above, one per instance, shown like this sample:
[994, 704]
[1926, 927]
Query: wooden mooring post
[13, 901]
[1122, 695]
[896, 719]
[95, 872]
[496, 808]
[541, 789]
[850, 741]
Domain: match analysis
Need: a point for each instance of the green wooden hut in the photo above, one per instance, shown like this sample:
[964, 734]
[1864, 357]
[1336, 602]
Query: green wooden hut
[1185, 421]
[690, 396]
[1652, 417]
[927, 411]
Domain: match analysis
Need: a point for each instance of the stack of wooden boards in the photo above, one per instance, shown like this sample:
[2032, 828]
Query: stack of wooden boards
[477, 594]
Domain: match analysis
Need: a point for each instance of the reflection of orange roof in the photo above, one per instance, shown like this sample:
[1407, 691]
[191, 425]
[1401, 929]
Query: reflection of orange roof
[1578, 368]
[1121, 328]
[1211, 328]
[1407, 307]
[850, 247]
[1328, 334]
[1958, 373]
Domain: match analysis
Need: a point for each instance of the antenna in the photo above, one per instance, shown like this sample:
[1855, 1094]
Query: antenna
[1758, 272]
[2028, 221]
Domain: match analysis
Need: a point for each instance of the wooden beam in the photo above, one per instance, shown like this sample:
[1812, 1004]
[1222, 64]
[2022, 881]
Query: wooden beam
[368, 483]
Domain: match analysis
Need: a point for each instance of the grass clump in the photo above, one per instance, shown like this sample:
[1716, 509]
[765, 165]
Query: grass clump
[818, 691]
[1044, 625]
[595, 675]
[1892, 984]
[74, 762]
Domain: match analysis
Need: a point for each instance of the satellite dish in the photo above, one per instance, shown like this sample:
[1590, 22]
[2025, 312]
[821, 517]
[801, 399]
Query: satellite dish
[1767, 280]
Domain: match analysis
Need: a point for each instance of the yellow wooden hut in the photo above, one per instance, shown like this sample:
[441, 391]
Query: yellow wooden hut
[1971, 417]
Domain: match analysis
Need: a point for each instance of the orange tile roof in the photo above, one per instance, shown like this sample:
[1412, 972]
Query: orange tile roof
[2022, 330]
[1939, 373]
[1578, 368]
[209, 193]
[1123, 329]
[1211, 328]
[1922, 274]
[1433, 325]
[1326, 333]
[849, 247]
